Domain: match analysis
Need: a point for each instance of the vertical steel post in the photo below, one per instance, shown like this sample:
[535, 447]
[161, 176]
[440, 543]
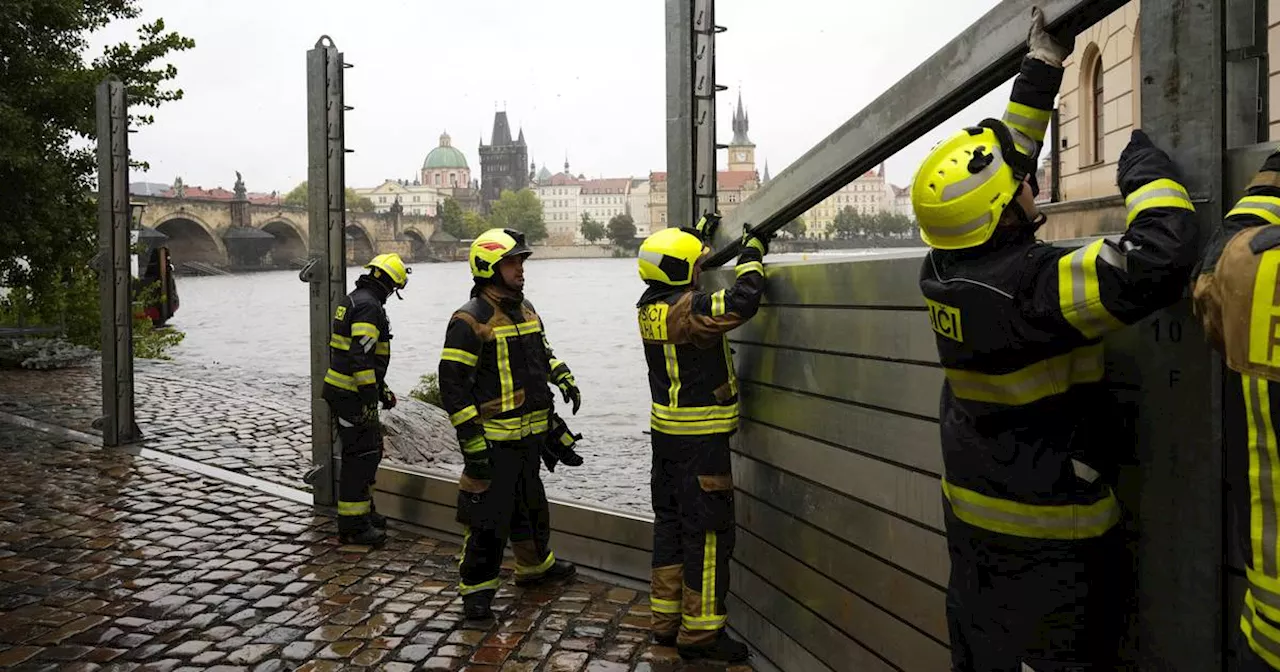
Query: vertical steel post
[1175, 491]
[327, 270]
[115, 281]
[680, 111]
[704, 110]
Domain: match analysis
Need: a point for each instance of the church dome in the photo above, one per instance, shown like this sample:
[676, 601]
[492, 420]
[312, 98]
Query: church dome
[444, 156]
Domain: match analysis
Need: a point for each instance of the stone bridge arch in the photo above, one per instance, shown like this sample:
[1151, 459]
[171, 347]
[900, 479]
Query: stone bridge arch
[191, 239]
[419, 250]
[290, 241]
[360, 244]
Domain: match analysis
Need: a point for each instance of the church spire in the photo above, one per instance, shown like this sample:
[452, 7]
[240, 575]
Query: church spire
[740, 124]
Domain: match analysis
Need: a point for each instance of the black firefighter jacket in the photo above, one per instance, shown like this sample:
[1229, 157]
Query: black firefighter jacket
[1018, 326]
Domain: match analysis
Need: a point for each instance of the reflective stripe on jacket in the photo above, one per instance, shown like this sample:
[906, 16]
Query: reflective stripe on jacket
[691, 378]
[495, 368]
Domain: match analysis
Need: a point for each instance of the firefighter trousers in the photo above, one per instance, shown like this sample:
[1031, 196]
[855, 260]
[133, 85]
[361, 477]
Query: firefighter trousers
[511, 505]
[693, 535]
[361, 446]
[1016, 604]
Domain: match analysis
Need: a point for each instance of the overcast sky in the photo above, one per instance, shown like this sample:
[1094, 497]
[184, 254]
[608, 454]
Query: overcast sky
[581, 77]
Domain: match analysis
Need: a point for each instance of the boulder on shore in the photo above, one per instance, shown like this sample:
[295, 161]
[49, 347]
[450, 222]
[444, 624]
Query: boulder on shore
[419, 434]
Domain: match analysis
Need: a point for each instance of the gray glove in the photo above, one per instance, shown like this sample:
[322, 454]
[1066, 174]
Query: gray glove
[1041, 45]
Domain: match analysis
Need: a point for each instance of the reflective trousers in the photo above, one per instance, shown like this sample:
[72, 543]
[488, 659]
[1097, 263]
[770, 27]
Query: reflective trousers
[512, 505]
[1016, 604]
[361, 445]
[693, 535]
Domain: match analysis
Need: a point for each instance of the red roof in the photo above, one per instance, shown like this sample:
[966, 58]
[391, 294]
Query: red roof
[563, 179]
[729, 180]
[220, 194]
[606, 186]
[735, 180]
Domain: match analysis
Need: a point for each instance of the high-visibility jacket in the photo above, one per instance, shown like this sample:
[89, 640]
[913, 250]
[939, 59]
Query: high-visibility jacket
[1018, 326]
[1238, 300]
[496, 367]
[359, 347]
[691, 377]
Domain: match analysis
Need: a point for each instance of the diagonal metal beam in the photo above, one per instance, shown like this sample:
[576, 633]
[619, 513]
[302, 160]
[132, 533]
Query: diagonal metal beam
[972, 65]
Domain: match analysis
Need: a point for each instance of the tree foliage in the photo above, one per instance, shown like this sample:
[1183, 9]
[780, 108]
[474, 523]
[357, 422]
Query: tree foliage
[473, 224]
[519, 210]
[298, 196]
[48, 162]
[591, 229]
[796, 227]
[451, 219]
[849, 223]
[622, 229]
[47, 113]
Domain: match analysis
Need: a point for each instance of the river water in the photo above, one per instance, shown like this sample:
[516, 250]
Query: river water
[258, 322]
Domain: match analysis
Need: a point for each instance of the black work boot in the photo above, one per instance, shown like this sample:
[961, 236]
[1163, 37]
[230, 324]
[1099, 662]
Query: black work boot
[475, 606]
[377, 520]
[558, 570]
[358, 531]
[664, 638]
[723, 649]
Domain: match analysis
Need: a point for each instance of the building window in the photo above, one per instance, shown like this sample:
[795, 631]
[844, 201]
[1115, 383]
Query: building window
[453, 179]
[1092, 122]
[437, 179]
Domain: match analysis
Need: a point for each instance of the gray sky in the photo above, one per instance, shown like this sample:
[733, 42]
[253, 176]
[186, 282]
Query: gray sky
[577, 77]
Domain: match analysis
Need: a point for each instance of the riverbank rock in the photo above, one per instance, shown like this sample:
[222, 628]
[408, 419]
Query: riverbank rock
[419, 434]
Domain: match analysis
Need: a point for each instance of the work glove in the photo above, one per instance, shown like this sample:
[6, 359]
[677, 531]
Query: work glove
[1045, 47]
[751, 241]
[564, 380]
[1141, 162]
[707, 225]
[388, 398]
[369, 413]
[559, 444]
[475, 456]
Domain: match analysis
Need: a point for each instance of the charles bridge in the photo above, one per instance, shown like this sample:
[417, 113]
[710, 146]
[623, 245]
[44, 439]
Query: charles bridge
[240, 235]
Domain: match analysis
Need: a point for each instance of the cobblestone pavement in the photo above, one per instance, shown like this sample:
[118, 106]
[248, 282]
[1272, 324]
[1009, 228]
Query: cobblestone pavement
[231, 419]
[109, 561]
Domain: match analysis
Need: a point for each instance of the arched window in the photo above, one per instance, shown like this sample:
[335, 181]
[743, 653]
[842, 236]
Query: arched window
[1094, 126]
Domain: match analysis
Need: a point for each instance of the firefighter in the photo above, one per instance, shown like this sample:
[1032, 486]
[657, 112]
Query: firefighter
[694, 412]
[1236, 298]
[354, 386]
[1037, 563]
[495, 375]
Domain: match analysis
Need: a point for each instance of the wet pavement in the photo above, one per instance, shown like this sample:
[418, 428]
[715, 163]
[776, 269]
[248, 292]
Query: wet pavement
[118, 562]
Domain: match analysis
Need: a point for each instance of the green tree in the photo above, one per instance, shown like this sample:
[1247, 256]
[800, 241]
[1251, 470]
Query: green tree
[473, 224]
[298, 197]
[591, 229]
[519, 210]
[47, 150]
[848, 223]
[796, 227]
[451, 221]
[622, 230]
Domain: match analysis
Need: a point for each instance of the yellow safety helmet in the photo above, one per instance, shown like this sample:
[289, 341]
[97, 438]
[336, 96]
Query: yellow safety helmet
[962, 188]
[493, 246]
[669, 256]
[392, 266]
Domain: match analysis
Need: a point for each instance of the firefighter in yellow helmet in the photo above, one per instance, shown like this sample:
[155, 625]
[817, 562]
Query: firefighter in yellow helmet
[495, 376]
[1236, 298]
[694, 412]
[1036, 559]
[359, 353]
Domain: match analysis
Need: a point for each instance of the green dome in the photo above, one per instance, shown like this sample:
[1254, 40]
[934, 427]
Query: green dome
[444, 156]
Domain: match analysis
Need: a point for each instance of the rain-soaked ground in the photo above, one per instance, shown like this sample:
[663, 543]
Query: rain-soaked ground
[110, 559]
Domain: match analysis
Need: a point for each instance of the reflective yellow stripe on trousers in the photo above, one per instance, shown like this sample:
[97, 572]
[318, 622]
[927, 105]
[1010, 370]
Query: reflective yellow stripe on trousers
[1036, 521]
[708, 619]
